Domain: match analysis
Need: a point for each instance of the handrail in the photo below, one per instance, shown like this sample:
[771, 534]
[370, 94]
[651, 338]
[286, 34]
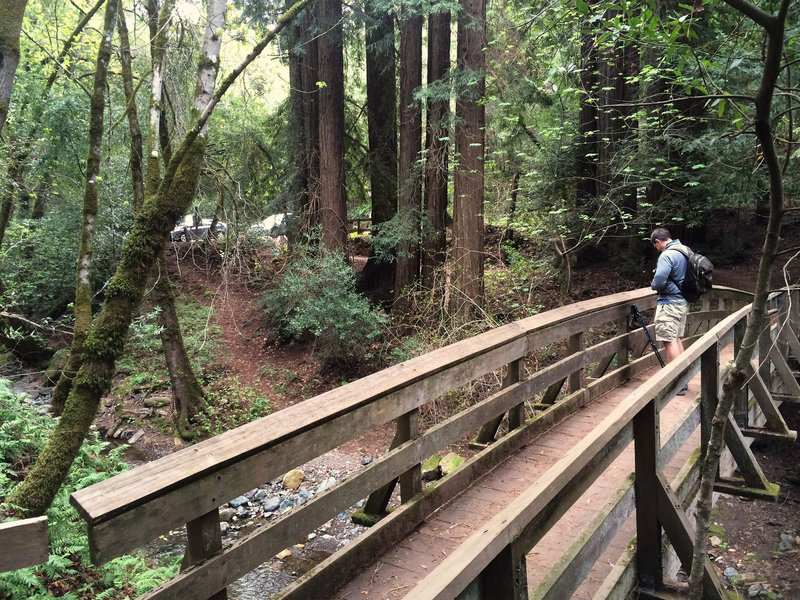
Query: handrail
[130, 509]
[467, 562]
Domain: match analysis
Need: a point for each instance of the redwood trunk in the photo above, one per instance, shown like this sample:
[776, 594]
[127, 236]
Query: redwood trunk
[466, 296]
[333, 204]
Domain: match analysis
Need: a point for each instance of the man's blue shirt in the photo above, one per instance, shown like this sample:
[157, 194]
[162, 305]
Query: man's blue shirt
[670, 268]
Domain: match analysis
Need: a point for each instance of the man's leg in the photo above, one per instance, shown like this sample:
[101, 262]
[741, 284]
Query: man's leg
[673, 349]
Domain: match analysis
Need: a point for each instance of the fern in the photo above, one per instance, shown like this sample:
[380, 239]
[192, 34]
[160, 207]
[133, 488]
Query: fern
[23, 432]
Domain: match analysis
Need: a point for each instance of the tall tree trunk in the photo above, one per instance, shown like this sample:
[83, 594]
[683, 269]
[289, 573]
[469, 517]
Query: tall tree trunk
[333, 204]
[409, 174]
[186, 390]
[378, 277]
[137, 169]
[11, 14]
[310, 77]
[83, 284]
[296, 126]
[774, 26]
[586, 160]
[466, 296]
[436, 161]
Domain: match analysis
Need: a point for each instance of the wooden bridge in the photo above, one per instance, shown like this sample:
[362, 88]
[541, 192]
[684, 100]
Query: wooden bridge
[590, 439]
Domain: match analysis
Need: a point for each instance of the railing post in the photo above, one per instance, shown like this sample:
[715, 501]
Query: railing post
[576, 379]
[203, 540]
[740, 401]
[411, 480]
[648, 528]
[506, 578]
[516, 416]
[709, 392]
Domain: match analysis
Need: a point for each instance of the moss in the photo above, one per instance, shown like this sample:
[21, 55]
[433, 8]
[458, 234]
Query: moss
[717, 530]
[365, 519]
[432, 462]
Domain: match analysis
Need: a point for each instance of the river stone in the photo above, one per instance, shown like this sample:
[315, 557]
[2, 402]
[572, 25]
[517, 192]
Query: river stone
[754, 590]
[293, 479]
[787, 542]
[260, 495]
[157, 401]
[238, 501]
[272, 504]
[226, 514]
[326, 484]
[731, 573]
[287, 504]
[224, 527]
[450, 463]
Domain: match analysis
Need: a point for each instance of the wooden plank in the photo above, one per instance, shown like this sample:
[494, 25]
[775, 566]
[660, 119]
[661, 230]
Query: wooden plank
[791, 387]
[745, 459]
[449, 367]
[649, 561]
[465, 563]
[774, 419]
[572, 568]
[681, 536]
[244, 555]
[23, 543]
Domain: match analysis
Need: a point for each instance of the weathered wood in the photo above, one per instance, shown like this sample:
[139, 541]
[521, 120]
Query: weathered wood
[774, 419]
[465, 563]
[322, 580]
[203, 540]
[740, 408]
[788, 381]
[681, 536]
[23, 543]
[488, 432]
[745, 459]
[649, 562]
[575, 346]
[709, 390]
[422, 378]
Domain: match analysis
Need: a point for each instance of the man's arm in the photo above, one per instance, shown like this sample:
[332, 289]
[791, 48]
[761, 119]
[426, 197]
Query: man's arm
[662, 273]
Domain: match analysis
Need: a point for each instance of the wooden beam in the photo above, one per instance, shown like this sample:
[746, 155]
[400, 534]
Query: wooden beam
[23, 543]
[774, 419]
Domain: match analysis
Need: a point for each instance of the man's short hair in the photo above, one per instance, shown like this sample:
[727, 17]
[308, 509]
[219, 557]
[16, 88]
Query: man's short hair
[660, 234]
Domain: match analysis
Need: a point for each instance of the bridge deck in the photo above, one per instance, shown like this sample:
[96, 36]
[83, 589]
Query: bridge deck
[393, 574]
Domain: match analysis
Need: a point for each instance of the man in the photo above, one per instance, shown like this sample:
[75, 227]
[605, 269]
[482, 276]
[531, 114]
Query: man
[672, 307]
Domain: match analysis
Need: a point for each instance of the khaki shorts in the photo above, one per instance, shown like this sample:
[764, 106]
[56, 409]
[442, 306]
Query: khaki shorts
[670, 321]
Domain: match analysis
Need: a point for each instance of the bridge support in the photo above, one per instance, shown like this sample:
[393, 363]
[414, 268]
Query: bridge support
[516, 416]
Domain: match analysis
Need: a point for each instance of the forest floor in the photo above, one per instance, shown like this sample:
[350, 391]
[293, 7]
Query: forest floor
[748, 533]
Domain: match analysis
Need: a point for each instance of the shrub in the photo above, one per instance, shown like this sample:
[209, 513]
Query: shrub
[317, 297]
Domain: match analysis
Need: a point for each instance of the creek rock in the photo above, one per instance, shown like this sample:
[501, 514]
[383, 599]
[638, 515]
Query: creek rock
[272, 504]
[787, 542]
[293, 479]
[450, 462]
[238, 501]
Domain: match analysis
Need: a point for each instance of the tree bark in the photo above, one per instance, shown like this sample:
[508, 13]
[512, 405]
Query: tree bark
[774, 27]
[137, 170]
[436, 161]
[83, 284]
[409, 174]
[296, 126]
[309, 77]
[11, 14]
[466, 296]
[378, 276]
[186, 390]
[124, 294]
[333, 204]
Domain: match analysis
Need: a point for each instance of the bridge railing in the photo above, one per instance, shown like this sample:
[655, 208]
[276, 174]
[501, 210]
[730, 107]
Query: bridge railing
[491, 563]
[189, 486]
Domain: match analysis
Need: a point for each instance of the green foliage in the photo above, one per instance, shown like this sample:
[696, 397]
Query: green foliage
[23, 433]
[317, 297]
[143, 362]
[230, 404]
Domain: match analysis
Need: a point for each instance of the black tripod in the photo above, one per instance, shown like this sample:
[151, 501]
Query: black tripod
[638, 317]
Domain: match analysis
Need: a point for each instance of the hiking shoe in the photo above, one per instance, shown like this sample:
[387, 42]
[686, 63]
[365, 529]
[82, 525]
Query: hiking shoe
[682, 391]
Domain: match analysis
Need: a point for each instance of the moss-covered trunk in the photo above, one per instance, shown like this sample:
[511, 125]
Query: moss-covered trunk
[186, 390]
[11, 14]
[83, 284]
[774, 26]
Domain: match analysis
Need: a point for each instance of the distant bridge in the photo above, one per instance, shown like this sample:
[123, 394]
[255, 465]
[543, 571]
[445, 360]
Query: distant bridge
[532, 512]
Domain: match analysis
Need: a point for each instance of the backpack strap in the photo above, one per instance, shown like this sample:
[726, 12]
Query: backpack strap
[682, 250]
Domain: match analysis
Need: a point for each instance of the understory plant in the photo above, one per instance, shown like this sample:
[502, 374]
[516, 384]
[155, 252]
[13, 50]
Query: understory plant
[317, 297]
[68, 572]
